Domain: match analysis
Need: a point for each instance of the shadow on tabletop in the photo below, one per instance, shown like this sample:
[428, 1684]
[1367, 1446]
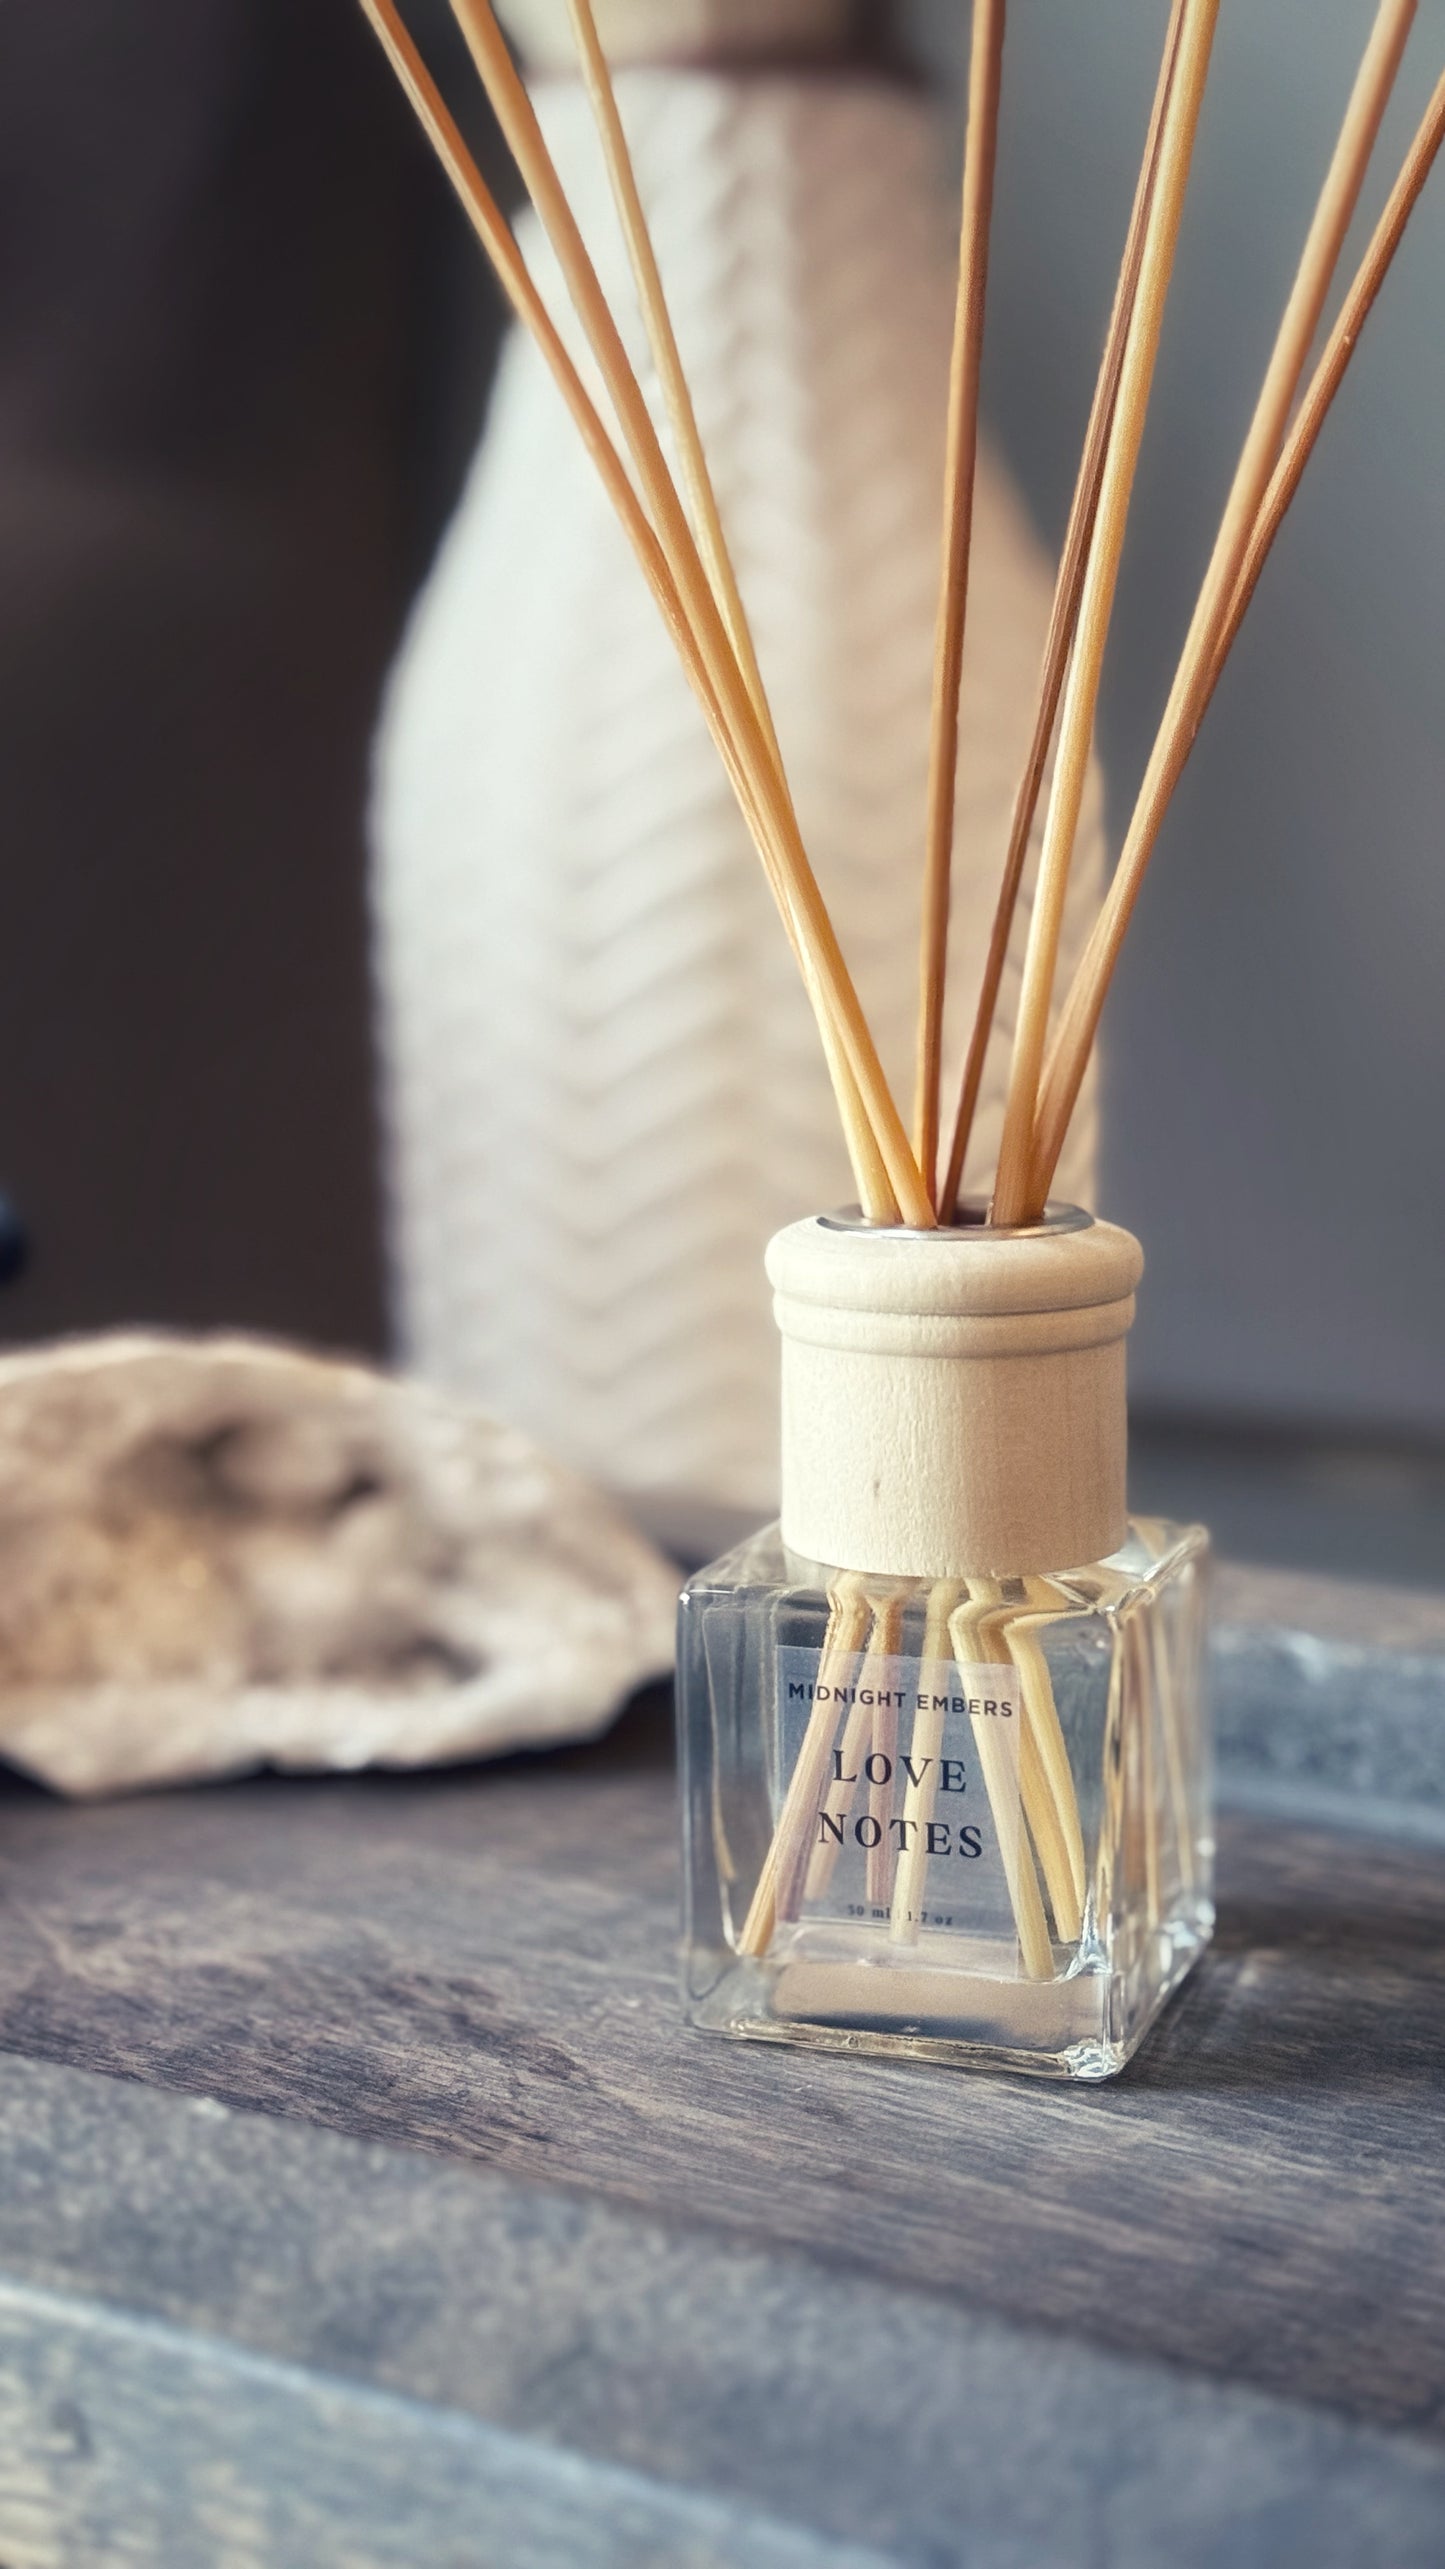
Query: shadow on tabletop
[640, 1740]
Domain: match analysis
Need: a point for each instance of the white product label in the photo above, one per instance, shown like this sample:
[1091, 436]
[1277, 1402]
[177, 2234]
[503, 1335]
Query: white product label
[901, 1782]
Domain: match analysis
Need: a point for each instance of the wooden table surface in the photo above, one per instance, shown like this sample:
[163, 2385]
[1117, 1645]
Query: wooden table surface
[479, 1966]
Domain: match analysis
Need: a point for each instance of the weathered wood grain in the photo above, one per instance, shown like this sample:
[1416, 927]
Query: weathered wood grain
[232, 2338]
[126, 2447]
[480, 1965]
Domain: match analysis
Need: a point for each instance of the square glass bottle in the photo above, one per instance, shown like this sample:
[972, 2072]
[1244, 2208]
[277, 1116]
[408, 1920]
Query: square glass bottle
[932, 1806]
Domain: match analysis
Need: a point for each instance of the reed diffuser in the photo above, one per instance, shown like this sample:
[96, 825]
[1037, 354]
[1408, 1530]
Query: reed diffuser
[560, 802]
[946, 1765]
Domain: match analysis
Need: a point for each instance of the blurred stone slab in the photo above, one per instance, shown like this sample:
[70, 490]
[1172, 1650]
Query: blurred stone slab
[217, 1554]
[223, 2337]
[125, 2441]
[1330, 1699]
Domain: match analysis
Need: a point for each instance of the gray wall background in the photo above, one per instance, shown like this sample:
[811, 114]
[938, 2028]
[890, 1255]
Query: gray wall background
[1276, 1042]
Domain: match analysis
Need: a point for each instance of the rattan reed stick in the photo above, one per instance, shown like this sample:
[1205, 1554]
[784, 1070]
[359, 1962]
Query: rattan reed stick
[1165, 1693]
[667, 357]
[707, 522]
[523, 133]
[1012, 1193]
[1059, 641]
[779, 1886]
[1000, 1765]
[1058, 1803]
[925, 1749]
[860, 1738]
[985, 83]
[1045, 1784]
[1196, 682]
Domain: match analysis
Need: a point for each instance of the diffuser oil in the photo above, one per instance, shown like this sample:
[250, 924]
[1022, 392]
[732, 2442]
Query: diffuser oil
[942, 1796]
[966, 1819]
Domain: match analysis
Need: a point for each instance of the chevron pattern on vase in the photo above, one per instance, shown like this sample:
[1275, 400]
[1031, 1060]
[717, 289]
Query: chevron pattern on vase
[603, 1087]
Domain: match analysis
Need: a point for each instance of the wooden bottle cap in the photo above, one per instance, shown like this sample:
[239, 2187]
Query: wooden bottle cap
[954, 1401]
[680, 31]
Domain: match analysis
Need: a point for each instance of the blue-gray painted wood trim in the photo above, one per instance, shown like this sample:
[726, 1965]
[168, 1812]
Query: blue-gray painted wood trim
[240, 2340]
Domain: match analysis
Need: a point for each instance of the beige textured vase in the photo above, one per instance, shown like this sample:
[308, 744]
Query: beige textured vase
[603, 1085]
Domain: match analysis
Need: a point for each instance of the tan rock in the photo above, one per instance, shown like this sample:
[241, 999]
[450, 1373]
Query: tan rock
[218, 1554]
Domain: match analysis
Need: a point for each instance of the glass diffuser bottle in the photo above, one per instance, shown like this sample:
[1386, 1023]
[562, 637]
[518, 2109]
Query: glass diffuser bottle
[944, 1735]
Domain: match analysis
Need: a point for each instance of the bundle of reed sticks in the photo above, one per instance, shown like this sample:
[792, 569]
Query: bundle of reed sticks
[673, 523]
